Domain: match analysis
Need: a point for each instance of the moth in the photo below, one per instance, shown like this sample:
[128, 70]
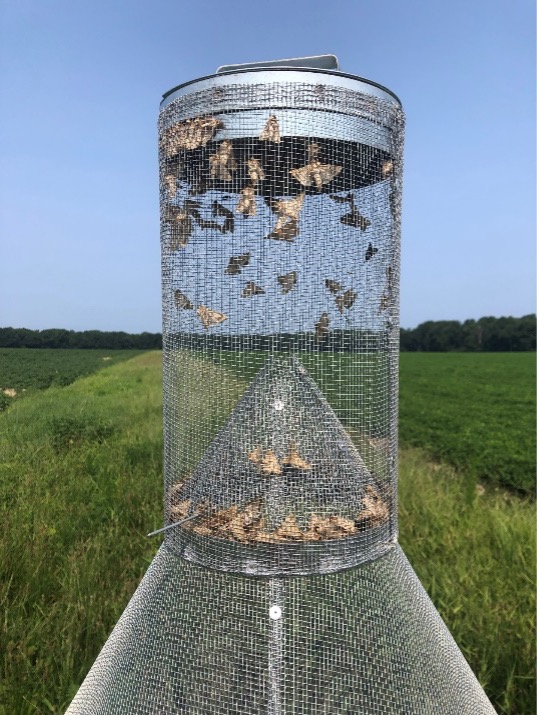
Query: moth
[267, 462]
[246, 204]
[288, 211]
[287, 281]
[170, 184]
[346, 300]
[270, 131]
[182, 301]
[189, 134]
[348, 199]
[321, 327]
[204, 223]
[387, 294]
[333, 286]
[315, 173]
[252, 288]
[387, 168]
[192, 207]
[237, 262]
[294, 461]
[255, 171]
[370, 252]
[285, 233]
[353, 218]
[181, 227]
[182, 223]
[289, 530]
[374, 510]
[220, 210]
[223, 163]
[210, 317]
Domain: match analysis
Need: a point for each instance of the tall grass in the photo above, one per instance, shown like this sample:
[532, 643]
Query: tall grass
[81, 483]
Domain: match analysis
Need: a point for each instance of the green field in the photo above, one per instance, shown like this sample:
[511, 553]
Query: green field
[474, 411]
[81, 483]
[28, 369]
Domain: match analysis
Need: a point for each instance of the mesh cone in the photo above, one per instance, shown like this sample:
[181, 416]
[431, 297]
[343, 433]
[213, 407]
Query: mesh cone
[282, 471]
[197, 640]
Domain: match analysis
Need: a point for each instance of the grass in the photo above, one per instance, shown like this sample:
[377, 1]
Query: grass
[27, 369]
[81, 483]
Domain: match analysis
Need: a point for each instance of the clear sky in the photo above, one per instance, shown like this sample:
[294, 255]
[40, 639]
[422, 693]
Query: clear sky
[80, 85]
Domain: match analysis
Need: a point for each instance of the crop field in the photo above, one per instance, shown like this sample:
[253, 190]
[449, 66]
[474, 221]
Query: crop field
[476, 411]
[27, 369]
[81, 485]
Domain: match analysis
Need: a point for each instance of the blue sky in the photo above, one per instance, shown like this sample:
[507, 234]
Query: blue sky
[80, 85]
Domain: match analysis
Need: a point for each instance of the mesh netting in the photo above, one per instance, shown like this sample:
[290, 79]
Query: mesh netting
[281, 589]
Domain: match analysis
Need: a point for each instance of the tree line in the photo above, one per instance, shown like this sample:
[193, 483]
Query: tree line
[86, 339]
[487, 334]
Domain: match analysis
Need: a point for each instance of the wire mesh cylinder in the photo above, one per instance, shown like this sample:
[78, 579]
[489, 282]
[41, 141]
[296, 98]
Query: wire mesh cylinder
[280, 588]
[280, 214]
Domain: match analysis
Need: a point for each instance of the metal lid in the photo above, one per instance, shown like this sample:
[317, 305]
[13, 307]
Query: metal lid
[311, 70]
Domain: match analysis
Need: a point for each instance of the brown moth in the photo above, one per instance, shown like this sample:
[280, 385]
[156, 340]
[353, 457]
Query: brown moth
[223, 163]
[180, 511]
[289, 530]
[321, 528]
[220, 210]
[294, 461]
[354, 218]
[387, 168]
[189, 134]
[210, 317]
[375, 510]
[203, 223]
[182, 301]
[237, 262]
[387, 294]
[267, 461]
[270, 131]
[315, 173]
[285, 233]
[255, 455]
[288, 211]
[346, 300]
[287, 281]
[170, 184]
[246, 204]
[270, 464]
[333, 286]
[348, 199]
[321, 327]
[383, 305]
[252, 289]
[181, 230]
[255, 171]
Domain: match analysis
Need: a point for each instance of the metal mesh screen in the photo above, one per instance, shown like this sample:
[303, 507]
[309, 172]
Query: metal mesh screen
[280, 236]
[282, 588]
